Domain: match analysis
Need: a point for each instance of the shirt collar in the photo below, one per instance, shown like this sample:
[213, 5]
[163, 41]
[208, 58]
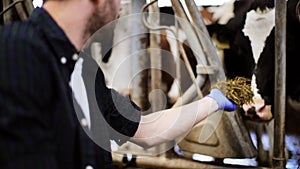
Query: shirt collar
[63, 48]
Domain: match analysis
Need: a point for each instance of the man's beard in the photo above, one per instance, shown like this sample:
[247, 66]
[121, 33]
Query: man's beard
[95, 22]
[99, 28]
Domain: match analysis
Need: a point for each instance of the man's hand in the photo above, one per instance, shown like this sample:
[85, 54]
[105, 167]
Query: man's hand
[223, 102]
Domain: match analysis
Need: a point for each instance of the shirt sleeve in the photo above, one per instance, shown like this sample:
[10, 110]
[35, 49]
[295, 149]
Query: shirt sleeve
[120, 113]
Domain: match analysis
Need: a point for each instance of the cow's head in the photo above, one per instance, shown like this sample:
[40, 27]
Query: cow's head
[257, 111]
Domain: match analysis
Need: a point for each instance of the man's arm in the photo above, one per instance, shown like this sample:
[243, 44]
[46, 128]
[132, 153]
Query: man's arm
[166, 125]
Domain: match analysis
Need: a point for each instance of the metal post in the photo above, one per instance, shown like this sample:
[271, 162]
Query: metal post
[139, 44]
[156, 67]
[7, 16]
[279, 160]
[28, 6]
[156, 60]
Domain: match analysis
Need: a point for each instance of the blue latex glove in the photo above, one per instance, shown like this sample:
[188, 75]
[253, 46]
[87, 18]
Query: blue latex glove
[223, 102]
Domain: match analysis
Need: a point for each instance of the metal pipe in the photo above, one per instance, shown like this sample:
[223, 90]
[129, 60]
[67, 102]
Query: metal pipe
[279, 160]
[138, 46]
[155, 58]
[28, 5]
[9, 6]
[192, 38]
[181, 50]
[190, 93]
[208, 47]
[21, 11]
[190, 70]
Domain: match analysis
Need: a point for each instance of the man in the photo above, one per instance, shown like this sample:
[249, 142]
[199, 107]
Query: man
[39, 107]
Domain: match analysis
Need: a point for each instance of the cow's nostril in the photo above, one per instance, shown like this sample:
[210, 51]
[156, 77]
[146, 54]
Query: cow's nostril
[251, 111]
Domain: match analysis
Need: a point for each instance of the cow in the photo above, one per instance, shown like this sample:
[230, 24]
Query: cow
[249, 34]
[251, 55]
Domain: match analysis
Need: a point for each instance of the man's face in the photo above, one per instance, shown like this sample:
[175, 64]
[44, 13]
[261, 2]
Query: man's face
[105, 12]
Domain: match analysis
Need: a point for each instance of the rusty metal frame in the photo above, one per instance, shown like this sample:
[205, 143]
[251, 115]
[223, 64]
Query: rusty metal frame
[10, 6]
[23, 9]
[197, 84]
[279, 160]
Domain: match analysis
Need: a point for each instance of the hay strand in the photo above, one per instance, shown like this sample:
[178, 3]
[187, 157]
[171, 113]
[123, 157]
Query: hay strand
[237, 90]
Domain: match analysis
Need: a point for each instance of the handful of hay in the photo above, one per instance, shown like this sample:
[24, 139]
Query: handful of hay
[237, 90]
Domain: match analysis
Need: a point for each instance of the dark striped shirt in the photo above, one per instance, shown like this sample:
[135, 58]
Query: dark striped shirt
[38, 126]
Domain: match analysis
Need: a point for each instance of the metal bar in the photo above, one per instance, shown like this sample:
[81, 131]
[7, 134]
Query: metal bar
[28, 6]
[179, 46]
[23, 7]
[208, 47]
[139, 43]
[7, 6]
[21, 11]
[163, 162]
[155, 59]
[279, 160]
[156, 98]
[190, 70]
[190, 93]
[7, 13]
[192, 38]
